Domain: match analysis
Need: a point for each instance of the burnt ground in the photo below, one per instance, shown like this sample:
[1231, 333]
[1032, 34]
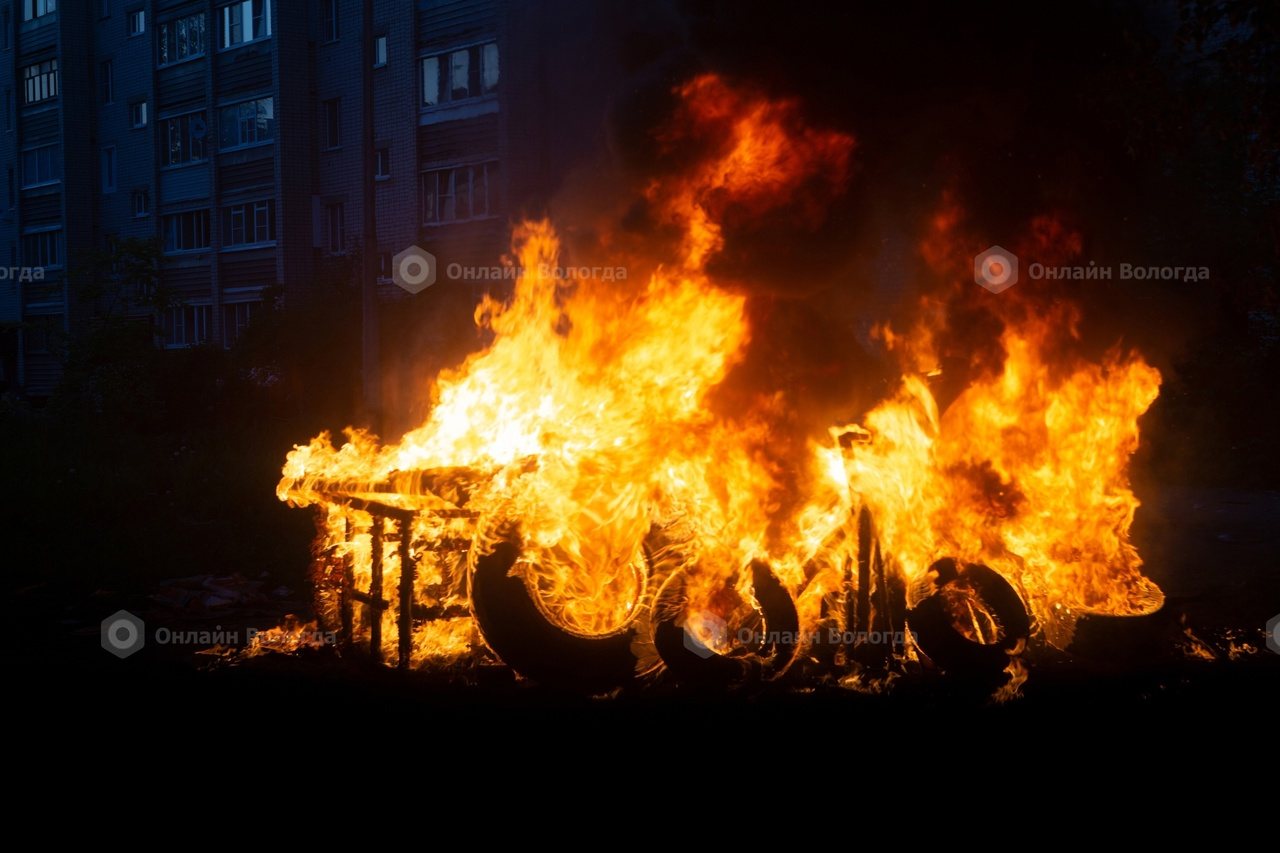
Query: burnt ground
[1199, 663]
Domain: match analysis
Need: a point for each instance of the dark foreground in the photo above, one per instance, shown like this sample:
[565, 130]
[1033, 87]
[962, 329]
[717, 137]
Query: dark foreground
[1200, 665]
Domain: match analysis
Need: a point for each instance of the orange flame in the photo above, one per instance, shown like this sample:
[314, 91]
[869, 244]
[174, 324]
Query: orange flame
[589, 423]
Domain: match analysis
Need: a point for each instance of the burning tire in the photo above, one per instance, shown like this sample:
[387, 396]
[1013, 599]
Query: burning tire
[516, 625]
[682, 638]
[974, 620]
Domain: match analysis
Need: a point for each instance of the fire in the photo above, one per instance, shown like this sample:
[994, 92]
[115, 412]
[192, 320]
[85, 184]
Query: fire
[1025, 471]
[590, 430]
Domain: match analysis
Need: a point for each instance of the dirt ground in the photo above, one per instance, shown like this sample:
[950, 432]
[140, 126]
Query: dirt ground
[1216, 553]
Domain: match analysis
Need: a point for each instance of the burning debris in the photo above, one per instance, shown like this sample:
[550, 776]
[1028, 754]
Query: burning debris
[585, 503]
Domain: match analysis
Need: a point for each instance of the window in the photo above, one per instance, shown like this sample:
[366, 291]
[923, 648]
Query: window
[335, 228]
[181, 38]
[8, 28]
[329, 20]
[137, 22]
[13, 193]
[42, 249]
[332, 132]
[104, 8]
[186, 325]
[109, 169]
[249, 224]
[41, 165]
[8, 109]
[468, 72]
[106, 74]
[32, 9]
[384, 266]
[138, 114]
[382, 163]
[187, 231]
[40, 81]
[246, 21]
[183, 138]
[379, 51]
[247, 123]
[142, 202]
[464, 192]
[236, 317]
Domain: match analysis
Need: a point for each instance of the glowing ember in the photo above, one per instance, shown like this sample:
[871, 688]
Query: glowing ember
[590, 426]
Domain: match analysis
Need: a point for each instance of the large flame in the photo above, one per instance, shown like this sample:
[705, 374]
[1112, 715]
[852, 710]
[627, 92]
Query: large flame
[590, 421]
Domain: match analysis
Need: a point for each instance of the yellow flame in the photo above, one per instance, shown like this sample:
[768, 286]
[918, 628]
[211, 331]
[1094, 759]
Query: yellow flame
[590, 420]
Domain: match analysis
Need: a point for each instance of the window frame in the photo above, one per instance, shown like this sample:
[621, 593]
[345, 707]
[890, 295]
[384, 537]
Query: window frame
[331, 141]
[238, 123]
[107, 82]
[136, 108]
[170, 217]
[490, 169]
[201, 315]
[445, 72]
[108, 169]
[162, 32]
[52, 238]
[223, 23]
[29, 8]
[54, 158]
[164, 140]
[143, 193]
[330, 27]
[248, 214]
[41, 79]
[340, 208]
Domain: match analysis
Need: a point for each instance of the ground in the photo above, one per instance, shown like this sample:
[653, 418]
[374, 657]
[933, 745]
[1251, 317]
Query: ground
[1214, 552]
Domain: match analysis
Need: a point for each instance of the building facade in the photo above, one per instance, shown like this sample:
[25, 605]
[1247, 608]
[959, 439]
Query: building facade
[246, 141]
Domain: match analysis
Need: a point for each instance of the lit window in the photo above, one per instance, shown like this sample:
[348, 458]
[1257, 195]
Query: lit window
[247, 123]
[379, 51]
[460, 74]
